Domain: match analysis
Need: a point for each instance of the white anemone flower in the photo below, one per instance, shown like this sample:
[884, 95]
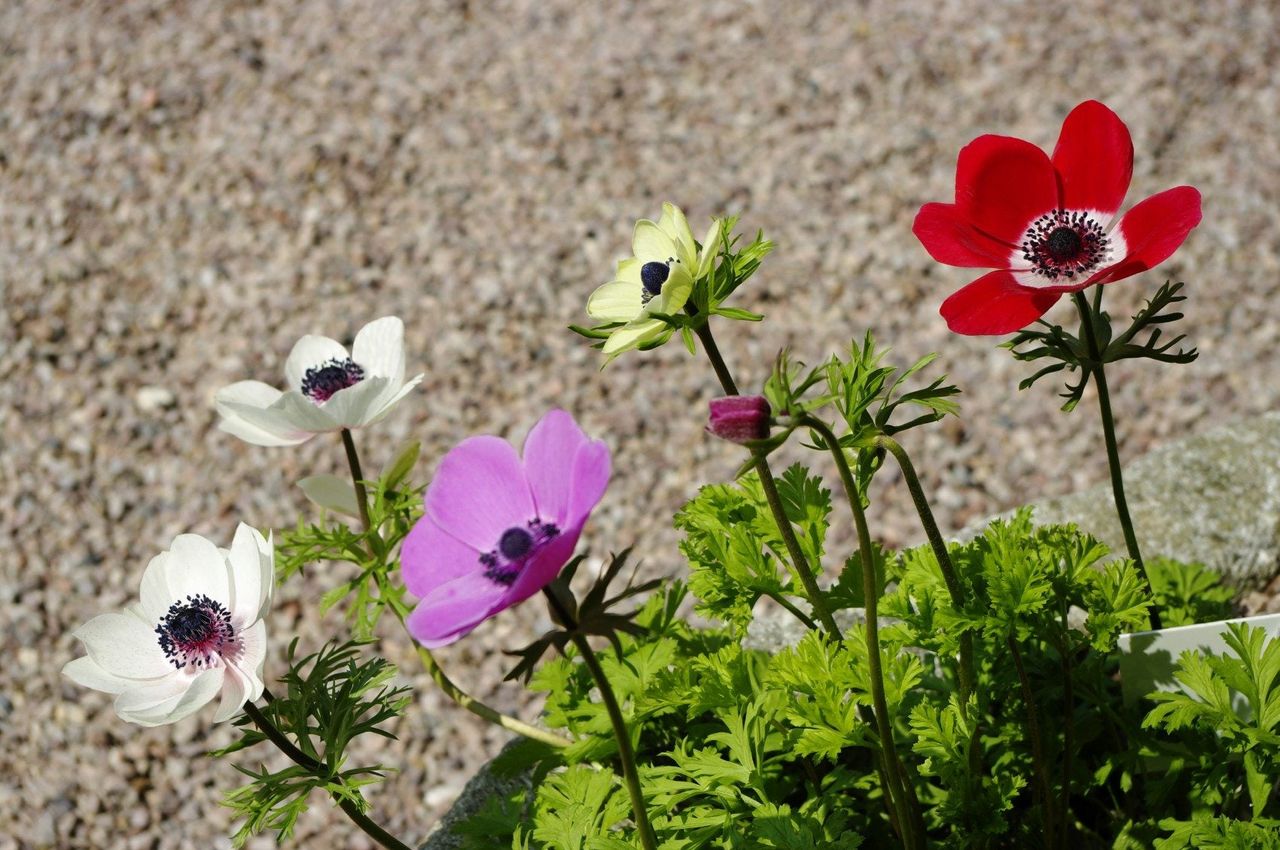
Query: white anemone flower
[328, 389]
[197, 633]
[658, 278]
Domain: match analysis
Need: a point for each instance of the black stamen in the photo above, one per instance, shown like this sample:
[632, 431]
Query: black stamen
[194, 631]
[321, 382]
[1064, 244]
[502, 565]
[515, 543]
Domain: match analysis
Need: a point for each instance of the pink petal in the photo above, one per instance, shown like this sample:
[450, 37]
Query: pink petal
[1153, 230]
[591, 469]
[542, 568]
[431, 557]
[1094, 159]
[549, 453]
[453, 609]
[950, 239]
[1003, 184]
[995, 304]
[480, 491]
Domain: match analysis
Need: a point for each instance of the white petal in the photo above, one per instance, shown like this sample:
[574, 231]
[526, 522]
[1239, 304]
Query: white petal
[307, 353]
[196, 692]
[379, 349]
[124, 645]
[195, 567]
[263, 426]
[390, 399]
[235, 691]
[253, 657]
[304, 414]
[84, 671]
[267, 555]
[354, 406]
[237, 427]
[143, 704]
[252, 393]
[245, 562]
[155, 593]
[616, 301]
[650, 244]
[331, 493]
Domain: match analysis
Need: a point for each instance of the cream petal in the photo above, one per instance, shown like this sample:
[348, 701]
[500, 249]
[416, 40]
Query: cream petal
[632, 335]
[676, 226]
[195, 567]
[123, 645]
[675, 292]
[650, 244]
[710, 250]
[629, 270]
[354, 406]
[245, 563]
[616, 301]
[84, 671]
[379, 349]
[307, 353]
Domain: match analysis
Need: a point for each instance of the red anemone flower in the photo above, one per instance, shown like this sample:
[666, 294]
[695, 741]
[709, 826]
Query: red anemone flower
[1046, 223]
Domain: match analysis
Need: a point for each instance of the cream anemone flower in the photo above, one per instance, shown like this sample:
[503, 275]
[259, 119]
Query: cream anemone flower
[328, 389]
[658, 278]
[197, 632]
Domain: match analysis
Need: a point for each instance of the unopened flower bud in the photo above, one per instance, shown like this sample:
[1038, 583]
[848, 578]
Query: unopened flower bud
[739, 419]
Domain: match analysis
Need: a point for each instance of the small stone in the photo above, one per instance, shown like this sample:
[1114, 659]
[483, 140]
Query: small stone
[153, 399]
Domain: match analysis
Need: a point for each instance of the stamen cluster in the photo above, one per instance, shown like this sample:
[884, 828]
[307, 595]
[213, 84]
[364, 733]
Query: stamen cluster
[1064, 244]
[502, 564]
[321, 382]
[194, 631]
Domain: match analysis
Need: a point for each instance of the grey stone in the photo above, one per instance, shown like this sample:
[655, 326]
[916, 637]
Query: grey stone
[485, 784]
[1213, 498]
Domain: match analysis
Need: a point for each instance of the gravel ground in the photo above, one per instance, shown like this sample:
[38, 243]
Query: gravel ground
[185, 188]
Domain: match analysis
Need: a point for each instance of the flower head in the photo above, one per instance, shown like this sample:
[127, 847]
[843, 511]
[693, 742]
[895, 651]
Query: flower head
[498, 528]
[196, 633]
[327, 388]
[739, 418]
[658, 278]
[1047, 224]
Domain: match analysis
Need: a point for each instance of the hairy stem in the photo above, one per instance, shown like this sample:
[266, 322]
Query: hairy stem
[795, 612]
[626, 754]
[428, 660]
[908, 804]
[1037, 745]
[319, 770]
[1109, 438]
[939, 547]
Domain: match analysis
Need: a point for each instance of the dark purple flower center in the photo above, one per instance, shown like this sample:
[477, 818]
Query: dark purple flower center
[321, 382]
[194, 631]
[653, 275]
[1064, 245]
[503, 563]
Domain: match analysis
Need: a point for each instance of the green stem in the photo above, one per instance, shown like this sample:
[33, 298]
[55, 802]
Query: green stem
[770, 487]
[913, 820]
[1095, 367]
[939, 546]
[428, 660]
[626, 754]
[1037, 745]
[1068, 734]
[320, 771]
[357, 479]
[795, 612]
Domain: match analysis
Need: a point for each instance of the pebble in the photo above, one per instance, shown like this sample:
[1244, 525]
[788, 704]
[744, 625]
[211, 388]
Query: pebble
[189, 189]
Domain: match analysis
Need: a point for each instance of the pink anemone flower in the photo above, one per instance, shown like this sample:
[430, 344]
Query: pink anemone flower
[499, 528]
[1047, 224]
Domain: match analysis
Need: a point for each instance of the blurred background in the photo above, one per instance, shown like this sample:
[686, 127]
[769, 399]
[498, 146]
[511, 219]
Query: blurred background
[188, 187]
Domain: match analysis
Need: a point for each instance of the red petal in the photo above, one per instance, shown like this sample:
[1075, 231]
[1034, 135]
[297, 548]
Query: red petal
[1094, 159]
[995, 304]
[1003, 184]
[1153, 230]
[950, 239]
